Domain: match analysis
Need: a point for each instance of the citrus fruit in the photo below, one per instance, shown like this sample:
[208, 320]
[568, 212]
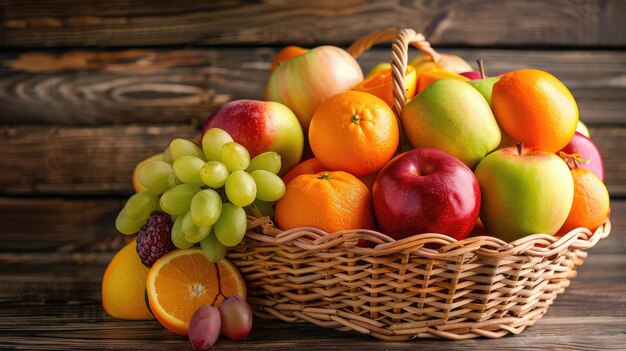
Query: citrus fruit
[136, 185]
[310, 166]
[591, 202]
[286, 54]
[354, 132]
[124, 286]
[330, 201]
[535, 108]
[183, 280]
[428, 77]
[380, 84]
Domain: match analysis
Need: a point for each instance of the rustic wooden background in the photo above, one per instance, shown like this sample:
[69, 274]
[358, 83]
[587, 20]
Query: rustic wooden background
[89, 88]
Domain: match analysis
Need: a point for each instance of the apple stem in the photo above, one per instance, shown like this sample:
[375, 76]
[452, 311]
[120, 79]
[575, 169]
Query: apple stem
[481, 68]
[520, 146]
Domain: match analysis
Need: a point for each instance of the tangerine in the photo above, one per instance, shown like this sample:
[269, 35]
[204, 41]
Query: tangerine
[331, 201]
[354, 132]
[380, 84]
[591, 202]
[310, 166]
[534, 107]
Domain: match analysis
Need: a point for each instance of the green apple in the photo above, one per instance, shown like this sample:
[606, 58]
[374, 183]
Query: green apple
[484, 86]
[524, 191]
[453, 117]
[378, 68]
[305, 82]
[582, 129]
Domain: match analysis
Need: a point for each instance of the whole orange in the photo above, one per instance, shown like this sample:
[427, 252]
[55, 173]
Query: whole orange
[381, 85]
[591, 202]
[354, 132]
[330, 201]
[535, 108]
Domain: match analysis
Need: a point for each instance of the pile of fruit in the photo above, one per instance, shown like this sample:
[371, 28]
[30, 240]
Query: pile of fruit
[469, 155]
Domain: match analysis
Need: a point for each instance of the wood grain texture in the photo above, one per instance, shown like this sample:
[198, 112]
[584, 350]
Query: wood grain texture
[36, 160]
[87, 161]
[52, 301]
[32, 23]
[178, 86]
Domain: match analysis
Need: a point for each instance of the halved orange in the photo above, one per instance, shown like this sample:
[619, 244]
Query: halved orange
[184, 280]
[380, 84]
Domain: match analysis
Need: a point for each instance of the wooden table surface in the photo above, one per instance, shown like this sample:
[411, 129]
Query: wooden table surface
[52, 301]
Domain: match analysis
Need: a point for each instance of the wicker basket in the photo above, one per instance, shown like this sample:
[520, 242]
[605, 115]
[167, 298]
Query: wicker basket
[428, 285]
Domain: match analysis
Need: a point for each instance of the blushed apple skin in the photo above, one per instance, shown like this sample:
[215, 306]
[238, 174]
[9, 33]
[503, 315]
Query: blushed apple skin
[524, 194]
[451, 116]
[582, 145]
[261, 126]
[452, 63]
[426, 191]
[306, 81]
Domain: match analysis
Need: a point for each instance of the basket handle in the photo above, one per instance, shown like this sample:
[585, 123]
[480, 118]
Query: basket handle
[402, 38]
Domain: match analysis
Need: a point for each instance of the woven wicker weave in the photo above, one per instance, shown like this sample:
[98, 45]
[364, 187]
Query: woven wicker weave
[428, 285]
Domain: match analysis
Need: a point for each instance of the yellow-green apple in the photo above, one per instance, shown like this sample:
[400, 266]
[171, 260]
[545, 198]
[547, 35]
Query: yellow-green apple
[377, 68]
[261, 126]
[306, 81]
[582, 129]
[484, 86]
[452, 63]
[426, 191]
[136, 185]
[451, 116]
[590, 157]
[524, 191]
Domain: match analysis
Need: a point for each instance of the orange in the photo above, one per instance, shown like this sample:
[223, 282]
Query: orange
[124, 286]
[591, 202]
[286, 54]
[354, 132]
[330, 201]
[534, 107]
[184, 280]
[136, 185]
[428, 77]
[310, 166]
[380, 84]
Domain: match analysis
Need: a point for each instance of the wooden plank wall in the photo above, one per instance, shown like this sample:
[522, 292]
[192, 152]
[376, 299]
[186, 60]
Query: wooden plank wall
[89, 88]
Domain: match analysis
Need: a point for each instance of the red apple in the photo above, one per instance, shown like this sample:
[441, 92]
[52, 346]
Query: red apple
[473, 75]
[426, 191]
[261, 126]
[580, 144]
[306, 81]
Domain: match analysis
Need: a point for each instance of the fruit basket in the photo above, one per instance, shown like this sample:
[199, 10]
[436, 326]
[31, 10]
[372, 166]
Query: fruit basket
[426, 285]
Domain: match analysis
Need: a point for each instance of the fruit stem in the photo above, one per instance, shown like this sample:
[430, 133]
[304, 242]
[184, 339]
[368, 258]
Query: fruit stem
[325, 176]
[219, 284]
[356, 119]
[520, 146]
[481, 68]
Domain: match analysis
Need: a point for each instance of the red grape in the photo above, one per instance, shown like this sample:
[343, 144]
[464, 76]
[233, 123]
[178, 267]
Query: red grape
[236, 317]
[204, 327]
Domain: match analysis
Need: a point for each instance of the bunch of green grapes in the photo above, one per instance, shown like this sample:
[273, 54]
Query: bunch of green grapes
[208, 192]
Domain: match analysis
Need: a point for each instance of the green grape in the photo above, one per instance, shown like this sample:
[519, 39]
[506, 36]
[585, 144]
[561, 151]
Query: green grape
[167, 155]
[178, 237]
[269, 186]
[240, 188]
[187, 169]
[183, 147]
[268, 161]
[212, 142]
[260, 209]
[214, 174]
[234, 156]
[191, 232]
[231, 227]
[205, 208]
[140, 205]
[177, 200]
[212, 248]
[126, 225]
[156, 176]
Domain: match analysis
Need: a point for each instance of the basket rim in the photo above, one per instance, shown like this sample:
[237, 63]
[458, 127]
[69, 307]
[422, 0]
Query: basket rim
[535, 245]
